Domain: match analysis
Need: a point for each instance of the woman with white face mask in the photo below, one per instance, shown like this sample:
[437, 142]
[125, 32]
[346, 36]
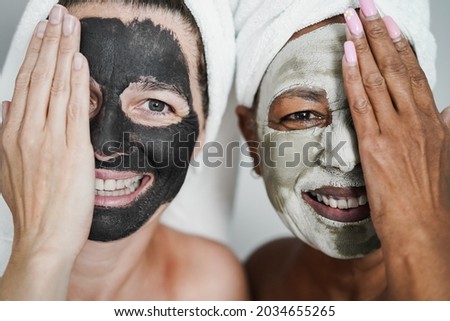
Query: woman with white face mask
[347, 148]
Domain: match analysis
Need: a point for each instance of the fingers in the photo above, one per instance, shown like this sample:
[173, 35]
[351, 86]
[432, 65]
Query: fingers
[446, 116]
[374, 83]
[363, 115]
[380, 38]
[24, 75]
[43, 72]
[60, 93]
[421, 90]
[78, 109]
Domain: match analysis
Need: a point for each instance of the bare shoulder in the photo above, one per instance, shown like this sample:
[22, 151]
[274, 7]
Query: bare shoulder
[207, 270]
[268, 268]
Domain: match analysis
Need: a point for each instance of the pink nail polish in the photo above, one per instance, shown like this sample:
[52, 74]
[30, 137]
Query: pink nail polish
[392, 28]
[368, 8]
[353, 22]
[350, 53]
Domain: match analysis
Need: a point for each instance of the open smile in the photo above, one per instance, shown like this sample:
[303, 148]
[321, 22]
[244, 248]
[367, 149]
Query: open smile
[341, 204]
[119, 189]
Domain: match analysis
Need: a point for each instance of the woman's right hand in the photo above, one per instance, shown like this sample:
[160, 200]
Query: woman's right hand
[47, 174]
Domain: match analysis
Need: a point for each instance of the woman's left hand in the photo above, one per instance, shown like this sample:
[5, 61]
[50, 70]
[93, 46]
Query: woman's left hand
[404, 145]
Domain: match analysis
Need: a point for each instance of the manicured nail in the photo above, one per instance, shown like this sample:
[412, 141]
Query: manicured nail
[368, 8]
[40, 30]
[350, 53]
[78, 61]
[392, 28]
[68, 24]
[57, 14]
[353, 22]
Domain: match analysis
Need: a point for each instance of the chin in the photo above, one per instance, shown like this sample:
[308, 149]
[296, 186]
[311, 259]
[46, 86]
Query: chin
[338, 233]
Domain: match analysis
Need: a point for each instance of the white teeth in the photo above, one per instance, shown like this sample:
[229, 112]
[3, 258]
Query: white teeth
[347, 203]
[342, 204]
[352, 203]
[362, 200]
[99, 184]
[112, 187]
[333, 203]
[120, 184]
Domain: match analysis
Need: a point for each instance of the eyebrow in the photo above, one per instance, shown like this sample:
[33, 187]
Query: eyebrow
[305, 93]
[147, 85]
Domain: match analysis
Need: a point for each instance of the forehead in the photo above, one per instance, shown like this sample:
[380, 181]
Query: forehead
[173, 22]
[121, 53]
[311, 62]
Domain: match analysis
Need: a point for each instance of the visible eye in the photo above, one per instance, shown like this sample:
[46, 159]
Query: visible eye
[291, 111]
[157, 106]
[302, 116]
[302, 120]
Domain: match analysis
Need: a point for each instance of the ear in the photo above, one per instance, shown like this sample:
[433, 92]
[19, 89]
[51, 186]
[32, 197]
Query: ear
[247, 124]
[446, 116]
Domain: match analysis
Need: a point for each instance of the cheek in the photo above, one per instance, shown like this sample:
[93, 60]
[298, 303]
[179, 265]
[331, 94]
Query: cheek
[288, 156]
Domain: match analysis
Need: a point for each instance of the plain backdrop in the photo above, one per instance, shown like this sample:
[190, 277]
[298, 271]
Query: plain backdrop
[254, 221]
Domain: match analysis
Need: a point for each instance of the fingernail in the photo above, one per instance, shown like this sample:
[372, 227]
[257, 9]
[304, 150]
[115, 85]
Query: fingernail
[392, 28]
[78, 61]
[350, 53]
[40, 30]
[57, 14]
[353, 22]
[68, 25]
[368, 8]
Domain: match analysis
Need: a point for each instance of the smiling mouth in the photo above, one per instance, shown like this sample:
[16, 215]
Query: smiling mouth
[341, 204]
[119, 189]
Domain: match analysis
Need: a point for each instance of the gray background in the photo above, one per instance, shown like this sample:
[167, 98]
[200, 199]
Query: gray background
[254, 221]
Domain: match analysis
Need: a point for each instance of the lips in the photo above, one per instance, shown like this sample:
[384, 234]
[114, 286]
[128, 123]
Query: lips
[119, 189]
[341, 204]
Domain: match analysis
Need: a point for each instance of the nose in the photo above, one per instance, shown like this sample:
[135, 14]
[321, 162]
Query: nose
[106, 134]
[341, 144]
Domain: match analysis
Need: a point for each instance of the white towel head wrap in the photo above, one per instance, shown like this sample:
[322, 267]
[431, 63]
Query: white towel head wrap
[263, 27]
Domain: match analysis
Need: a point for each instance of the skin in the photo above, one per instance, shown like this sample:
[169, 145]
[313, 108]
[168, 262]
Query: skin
[414, 261]
[52, 210]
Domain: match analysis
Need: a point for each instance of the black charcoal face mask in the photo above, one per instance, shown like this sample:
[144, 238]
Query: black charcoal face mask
[119, 55]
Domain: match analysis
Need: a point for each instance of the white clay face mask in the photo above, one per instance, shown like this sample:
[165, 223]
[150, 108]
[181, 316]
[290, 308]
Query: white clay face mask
[312, 176]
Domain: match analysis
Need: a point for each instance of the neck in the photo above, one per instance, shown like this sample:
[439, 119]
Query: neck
[353, 279]
[102, 268]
